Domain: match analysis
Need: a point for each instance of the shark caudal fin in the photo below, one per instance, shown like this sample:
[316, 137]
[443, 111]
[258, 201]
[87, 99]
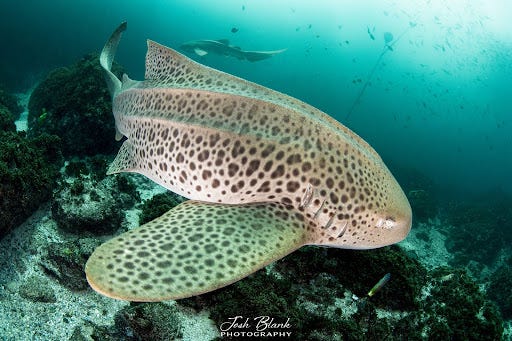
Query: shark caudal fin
[107, 57]
[254, 56]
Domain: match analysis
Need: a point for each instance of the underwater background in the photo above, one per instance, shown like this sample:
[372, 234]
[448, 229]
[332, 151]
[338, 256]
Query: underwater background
[426, 83]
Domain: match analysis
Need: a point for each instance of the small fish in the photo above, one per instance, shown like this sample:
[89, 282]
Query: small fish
[379, 284]
[234, 30]
[370, 33]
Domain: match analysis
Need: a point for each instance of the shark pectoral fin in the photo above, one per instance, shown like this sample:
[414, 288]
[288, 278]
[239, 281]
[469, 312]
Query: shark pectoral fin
[200, 52]
[194, 248]
[126, 160]
[119, 136]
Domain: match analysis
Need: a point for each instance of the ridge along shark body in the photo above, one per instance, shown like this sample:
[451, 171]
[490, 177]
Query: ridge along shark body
[266, 174]
[222, 47]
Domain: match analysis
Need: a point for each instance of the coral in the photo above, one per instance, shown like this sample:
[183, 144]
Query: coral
[28, 169]
[74, 103]
[10, 102]
[500, 288]
[65, 262]
[89, 331]
[36, 289]
[158, 205]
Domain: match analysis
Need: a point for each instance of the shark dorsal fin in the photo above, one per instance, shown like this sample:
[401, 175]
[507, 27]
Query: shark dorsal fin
[166, 67]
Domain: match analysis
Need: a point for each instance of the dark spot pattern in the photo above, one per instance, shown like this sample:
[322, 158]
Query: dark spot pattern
[249, 230]
[212, 137]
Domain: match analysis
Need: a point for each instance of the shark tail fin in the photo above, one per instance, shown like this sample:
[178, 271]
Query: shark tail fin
[254, 56]
[107, 57]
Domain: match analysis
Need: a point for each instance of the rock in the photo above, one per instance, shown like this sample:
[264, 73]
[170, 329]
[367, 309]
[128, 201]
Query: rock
[6, 119]
[36, 289]
[10, 103]
[88, 331]
[28, 170]
[158, 205]
[74, 103]
[86, 205]
[65, 262]
[148, 321]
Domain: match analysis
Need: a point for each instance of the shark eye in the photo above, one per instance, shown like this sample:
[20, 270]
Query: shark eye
[386, 223]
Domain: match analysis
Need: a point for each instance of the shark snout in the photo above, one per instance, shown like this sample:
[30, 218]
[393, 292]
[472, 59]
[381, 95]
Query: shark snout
[396, 219]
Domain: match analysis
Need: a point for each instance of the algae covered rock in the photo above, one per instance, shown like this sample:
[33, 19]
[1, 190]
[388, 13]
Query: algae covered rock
[88, 201]
[136, 322]
[158, 205]
[28, 170]
[148, 321]
[85, 205]
[74, 103]
[480, 230]
[6, 119]
[10, 103]
[36, 289]
[500, 288]
[65, 262]
[455, 308]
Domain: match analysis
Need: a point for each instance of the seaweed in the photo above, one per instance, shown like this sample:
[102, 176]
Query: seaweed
[306, 287]
[86, 204]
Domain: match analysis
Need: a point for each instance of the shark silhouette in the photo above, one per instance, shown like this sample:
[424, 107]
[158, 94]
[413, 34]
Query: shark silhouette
[222, 47]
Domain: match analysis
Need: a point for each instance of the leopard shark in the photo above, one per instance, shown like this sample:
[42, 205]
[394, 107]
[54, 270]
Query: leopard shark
[265, 174]
[223, 48]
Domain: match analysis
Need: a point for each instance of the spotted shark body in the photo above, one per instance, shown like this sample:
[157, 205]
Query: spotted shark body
[265, 172]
